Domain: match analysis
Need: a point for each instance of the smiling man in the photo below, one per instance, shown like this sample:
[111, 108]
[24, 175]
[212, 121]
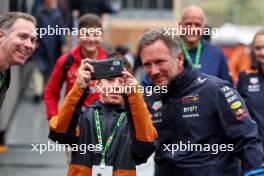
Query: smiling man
[17, 43]
[203, 124]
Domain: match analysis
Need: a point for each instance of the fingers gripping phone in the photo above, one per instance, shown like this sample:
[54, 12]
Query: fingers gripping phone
[107, 68]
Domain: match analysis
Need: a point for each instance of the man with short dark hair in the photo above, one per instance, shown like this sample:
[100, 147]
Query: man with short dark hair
[17, 43]
[203, 124]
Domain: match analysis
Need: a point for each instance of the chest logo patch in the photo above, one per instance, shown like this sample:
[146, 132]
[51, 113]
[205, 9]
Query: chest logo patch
[190, 99]
[254, 80]
[157, 105]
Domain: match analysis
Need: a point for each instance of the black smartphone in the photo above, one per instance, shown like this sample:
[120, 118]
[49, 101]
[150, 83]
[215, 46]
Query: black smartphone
[107, 68]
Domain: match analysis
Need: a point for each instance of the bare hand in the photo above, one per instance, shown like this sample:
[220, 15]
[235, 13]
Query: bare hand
[129, 80]
[84, 73]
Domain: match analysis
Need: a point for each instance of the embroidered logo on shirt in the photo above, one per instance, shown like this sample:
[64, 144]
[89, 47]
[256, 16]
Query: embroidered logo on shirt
[200, 80]
[190, 111]
[236, 105]
[253, 80]
[156, 105]
[241, 114]
[190, 99]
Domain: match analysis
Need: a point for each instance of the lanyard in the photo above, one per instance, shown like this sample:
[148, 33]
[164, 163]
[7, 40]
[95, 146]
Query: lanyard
[197, 56]
[111, 137]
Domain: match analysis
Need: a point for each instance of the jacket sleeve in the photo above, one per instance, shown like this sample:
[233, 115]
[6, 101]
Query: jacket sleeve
[224, 70]
[145, 133]
[63, 126]
[240, 83]
[53, 89]
[239, 127]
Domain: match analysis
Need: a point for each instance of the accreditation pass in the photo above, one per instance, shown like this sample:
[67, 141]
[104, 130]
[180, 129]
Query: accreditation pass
[102, 171]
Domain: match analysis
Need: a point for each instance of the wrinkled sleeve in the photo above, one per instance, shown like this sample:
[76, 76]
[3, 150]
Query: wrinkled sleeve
[239, 127]
[64, 126]
[145, 133]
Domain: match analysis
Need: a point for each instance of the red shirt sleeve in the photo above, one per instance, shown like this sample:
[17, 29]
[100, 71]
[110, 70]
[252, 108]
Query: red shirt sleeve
[53, 88]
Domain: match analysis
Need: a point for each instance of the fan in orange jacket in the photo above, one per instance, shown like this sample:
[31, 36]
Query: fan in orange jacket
[122, 122]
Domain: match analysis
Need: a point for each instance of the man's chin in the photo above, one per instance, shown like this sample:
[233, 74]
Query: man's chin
[192, 39]
[161, 83]
[114, 102]
[19, 61]
[91, 49]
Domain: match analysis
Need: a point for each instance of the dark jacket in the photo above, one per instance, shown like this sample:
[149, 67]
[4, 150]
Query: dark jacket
[50, 44]
[132, 144]
[213, 62]
[251, 88]
[204, 110]
[5, 82]
[97, 7]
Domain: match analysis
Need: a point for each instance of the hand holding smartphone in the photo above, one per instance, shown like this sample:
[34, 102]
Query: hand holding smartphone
[107, 68]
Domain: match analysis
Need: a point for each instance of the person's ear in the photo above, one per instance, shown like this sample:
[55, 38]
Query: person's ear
[180, 59]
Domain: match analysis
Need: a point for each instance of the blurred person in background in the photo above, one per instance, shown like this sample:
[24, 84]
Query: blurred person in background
[242, 59]
[251, 84]
[50, 46]
[205, 57]
[126, 52]
[98, 7]
[17, 43]
[81, 7]
[208, 36]
[18, 5]
[63, 6]
[89, 46]
[202, 55]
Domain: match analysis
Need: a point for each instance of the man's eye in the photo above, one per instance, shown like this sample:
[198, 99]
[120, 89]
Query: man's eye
[110, 79]
[22, 37]
[198, 25]
[34, 41]
[146, 65]
[160, 62]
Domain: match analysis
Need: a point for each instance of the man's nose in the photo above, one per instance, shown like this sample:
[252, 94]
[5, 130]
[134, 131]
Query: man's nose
[91, 37]
[29, 44]
[154, 69]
